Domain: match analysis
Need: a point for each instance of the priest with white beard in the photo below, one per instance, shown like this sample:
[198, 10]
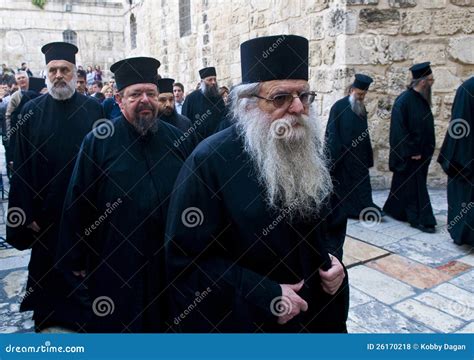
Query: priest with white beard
[247, 247]
[48, 134]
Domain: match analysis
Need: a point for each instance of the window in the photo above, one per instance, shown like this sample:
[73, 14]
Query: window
[133, 32]
[70, 36]
[184, 17]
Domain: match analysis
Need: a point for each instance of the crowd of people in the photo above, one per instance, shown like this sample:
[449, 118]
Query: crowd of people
[220, 211]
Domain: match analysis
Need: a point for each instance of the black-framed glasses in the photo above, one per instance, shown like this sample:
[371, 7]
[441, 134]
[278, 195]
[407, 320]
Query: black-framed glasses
[281, 100]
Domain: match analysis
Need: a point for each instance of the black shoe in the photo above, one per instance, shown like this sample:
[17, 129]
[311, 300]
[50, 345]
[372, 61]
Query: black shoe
[427, 229]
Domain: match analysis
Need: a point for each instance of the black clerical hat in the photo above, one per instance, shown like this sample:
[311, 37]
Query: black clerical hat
[277, 57]
[207, 71]
[137, 70]
[165, 85]
[36, 84]
[420, 70]
[60, 51]
[362, 81]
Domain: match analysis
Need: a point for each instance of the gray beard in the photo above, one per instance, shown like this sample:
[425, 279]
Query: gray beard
[144, 125]
[357, 107]
[63, 92]
[289, 162]
[209, 91]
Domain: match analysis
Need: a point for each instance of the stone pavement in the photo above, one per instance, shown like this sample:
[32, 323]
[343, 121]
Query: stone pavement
[402, 280]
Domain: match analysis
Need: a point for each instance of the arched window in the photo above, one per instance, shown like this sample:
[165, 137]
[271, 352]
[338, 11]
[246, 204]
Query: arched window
[70, 36]
[184, 17]
[133, 31]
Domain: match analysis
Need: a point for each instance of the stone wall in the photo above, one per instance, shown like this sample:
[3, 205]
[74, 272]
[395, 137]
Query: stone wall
[382, 38]
[24, 28]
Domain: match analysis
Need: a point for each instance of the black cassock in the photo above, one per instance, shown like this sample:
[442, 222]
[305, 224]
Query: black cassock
[204, 112]
[350, 151]
[49, 135]
[457, 160]
[177, 120]
[227, 252]
[411, 133]
[114, 221]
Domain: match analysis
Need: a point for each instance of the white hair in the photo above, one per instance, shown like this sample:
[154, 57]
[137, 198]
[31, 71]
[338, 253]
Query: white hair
[288, 154]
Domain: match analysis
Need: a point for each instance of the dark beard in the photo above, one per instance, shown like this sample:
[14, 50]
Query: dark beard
[145, 126]
[426, 93]
[211, 91]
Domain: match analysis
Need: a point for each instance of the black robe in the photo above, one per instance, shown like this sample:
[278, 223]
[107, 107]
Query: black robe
[411, 133]
[457, 160]
[223, 242]
[114, 221]
[49, 135]
[204, 112]
[351, 156]
[177, 120]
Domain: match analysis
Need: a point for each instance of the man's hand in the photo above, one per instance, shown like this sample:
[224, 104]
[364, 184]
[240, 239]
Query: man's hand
[332, 279]
[416, 157]
[80, 273]
[34, 226]
[290, 304]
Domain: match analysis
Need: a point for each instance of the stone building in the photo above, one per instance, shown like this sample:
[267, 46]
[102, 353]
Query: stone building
[382, 38]
[95, 26]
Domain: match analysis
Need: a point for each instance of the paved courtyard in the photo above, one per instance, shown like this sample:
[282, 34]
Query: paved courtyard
[402, 280]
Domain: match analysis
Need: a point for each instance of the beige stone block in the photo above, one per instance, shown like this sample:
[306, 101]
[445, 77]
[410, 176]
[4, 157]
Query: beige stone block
[449, 22]
[462, 49]
[433, 4]
[414, 23]
[445, 80]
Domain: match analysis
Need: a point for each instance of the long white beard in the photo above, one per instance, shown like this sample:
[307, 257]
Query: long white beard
[62, 92]
[289, 161]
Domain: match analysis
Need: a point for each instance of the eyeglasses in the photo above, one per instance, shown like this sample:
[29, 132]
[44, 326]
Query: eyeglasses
[281, 100]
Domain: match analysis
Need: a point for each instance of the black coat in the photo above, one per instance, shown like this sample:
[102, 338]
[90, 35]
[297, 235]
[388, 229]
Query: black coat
[351, 156]
[457, 160]
[222, 239]
[48, 139]
[411, 133]
[204, 112]
[114, 221]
